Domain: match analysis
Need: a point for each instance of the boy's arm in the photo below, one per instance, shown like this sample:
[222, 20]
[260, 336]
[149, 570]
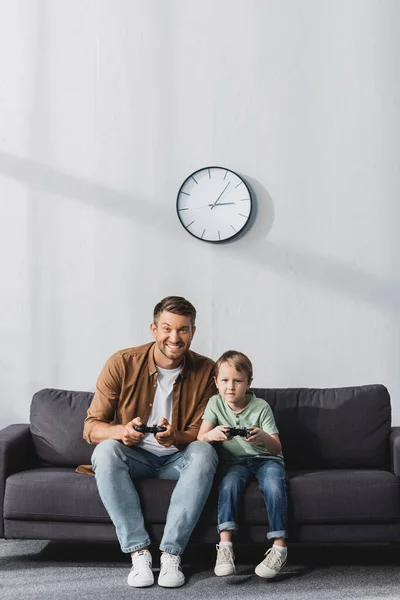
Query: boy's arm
[262, 436]
[209, 433]
[271, 441]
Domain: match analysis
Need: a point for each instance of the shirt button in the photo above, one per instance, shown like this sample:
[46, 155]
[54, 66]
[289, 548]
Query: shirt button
[155, 385]
[151, 404]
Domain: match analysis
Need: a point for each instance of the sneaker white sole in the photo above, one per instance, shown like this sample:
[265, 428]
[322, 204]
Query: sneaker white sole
[266, 573]
[170, 584]
[136, 582]
[223, 570]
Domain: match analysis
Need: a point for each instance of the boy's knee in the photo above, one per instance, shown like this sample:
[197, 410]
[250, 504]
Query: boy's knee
[274, 487]
[229, 484]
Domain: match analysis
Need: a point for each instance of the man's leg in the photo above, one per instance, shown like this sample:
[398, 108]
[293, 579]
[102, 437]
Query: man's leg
[116, 466]
[194, 468]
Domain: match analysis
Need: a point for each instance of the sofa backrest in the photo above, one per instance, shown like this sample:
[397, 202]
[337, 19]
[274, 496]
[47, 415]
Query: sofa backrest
[337, 428]
[319, 428]
[57, 426]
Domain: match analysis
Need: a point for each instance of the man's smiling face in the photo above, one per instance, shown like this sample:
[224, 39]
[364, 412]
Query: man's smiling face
[173, 334]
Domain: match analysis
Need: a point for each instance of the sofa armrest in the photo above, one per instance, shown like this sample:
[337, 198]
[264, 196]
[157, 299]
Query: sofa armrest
[16, 452]
[395, 450]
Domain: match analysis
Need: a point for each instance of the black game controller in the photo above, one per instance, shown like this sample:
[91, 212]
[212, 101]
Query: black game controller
[241, 431]
[150, 429]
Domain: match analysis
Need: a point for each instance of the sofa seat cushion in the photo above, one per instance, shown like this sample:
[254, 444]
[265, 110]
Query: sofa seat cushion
[61, 494]
[344, 495]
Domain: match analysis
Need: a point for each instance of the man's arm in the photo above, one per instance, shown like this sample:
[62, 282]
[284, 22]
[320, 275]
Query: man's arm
[98, 423]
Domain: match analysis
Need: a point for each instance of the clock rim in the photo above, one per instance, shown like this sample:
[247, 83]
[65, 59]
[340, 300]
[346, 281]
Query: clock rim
[228, 239]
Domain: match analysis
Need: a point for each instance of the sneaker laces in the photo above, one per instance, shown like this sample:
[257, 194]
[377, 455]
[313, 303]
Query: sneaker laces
[171, 562]
[141, 560]
[224, 555]
[274, 559]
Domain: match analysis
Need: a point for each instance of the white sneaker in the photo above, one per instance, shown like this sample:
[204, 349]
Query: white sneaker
[171, 575]
[272, 564]
[224, 564]
[141, 574]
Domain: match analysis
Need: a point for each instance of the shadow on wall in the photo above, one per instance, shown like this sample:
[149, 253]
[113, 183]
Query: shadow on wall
[52, 181]
[283, 258]
[297, 262]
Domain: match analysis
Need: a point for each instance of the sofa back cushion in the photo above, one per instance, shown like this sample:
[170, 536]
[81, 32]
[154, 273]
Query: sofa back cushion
[342, 428]
[319, 428]
[57, 427]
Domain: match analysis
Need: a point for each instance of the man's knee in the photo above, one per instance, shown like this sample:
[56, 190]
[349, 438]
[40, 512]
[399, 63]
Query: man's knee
[203, 455]
[106, 454]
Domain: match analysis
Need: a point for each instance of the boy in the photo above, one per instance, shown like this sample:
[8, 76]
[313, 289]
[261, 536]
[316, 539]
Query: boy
[258, 455]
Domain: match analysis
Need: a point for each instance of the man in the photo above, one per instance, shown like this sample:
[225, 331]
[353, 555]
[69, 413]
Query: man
[161, 383]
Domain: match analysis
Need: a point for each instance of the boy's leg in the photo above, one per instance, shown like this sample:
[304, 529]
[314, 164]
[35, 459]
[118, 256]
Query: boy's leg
[230, 491]
[271, 479]
[229, 494]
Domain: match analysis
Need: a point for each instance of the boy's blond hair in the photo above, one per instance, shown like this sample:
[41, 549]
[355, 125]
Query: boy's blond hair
[237, 360]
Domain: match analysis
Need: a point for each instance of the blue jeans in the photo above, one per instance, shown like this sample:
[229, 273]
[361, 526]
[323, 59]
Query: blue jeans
[117, 466]
[271, 478]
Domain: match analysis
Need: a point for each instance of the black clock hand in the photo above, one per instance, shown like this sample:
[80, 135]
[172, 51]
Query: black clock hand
[195, 208]
[220, 195]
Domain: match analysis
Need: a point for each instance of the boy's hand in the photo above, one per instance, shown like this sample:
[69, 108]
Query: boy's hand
[217, 434]
[257, 436]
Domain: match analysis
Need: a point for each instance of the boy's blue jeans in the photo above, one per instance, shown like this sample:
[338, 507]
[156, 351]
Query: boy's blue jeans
[271, 478]
[117, 466]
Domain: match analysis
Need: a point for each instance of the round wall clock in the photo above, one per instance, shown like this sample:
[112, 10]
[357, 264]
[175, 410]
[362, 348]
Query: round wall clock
[214, 204]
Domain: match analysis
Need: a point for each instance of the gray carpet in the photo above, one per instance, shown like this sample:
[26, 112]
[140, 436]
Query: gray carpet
[31, 570]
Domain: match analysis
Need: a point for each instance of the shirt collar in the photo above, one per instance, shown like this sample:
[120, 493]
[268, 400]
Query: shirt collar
[152, 365]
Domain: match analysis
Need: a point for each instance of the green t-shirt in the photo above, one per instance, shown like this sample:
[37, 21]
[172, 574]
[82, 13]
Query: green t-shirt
[257, 413]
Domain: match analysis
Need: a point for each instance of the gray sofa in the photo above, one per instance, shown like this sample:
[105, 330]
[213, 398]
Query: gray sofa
[342, 458]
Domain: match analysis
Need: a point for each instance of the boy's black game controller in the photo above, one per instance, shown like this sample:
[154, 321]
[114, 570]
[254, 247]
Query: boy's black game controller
[150, 428]
[241, 431]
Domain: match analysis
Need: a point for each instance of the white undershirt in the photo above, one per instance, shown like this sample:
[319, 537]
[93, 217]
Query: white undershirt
[162, 407]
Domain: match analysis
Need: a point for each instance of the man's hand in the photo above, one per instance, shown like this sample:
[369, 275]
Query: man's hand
[218, 434]
[130, 436]
[166, 438]
[257, 436]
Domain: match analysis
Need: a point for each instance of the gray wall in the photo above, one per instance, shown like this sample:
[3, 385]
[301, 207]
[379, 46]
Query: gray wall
[107, 106]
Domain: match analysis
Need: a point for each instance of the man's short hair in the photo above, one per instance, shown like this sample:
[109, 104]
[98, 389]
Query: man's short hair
[177, 305]
[237, 360]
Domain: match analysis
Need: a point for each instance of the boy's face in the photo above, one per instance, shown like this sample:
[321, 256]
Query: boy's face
[232, 384]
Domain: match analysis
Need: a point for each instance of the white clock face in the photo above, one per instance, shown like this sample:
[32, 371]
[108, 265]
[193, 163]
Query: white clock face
[214, 204]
